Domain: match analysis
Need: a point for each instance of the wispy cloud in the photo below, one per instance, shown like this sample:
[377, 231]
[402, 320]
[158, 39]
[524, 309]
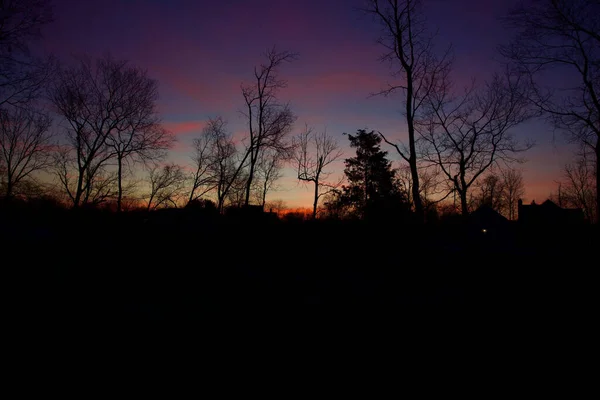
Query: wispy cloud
[185, 127]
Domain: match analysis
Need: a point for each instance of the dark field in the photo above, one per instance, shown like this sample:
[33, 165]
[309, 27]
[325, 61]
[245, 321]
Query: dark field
[186, 268]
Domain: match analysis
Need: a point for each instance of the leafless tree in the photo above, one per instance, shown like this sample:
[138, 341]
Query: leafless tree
[103, 187]
[491, 192]
[167, 184]
[269, 121]
[578, 190]
[409, 49]
[206, 157]
[99, 186]
[219, 158]
[315, 152]
[514, 189]
[105, 106]
[137, 135]
[432, 188]
[563, 36]
[269, 170]
[277, 206]
[63, 162]
[236, 195]
[467, 134]
[22, 76]
[25, 146]
[447, 209]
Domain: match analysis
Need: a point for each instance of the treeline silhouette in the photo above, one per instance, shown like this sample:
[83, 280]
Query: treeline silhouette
[193, 265]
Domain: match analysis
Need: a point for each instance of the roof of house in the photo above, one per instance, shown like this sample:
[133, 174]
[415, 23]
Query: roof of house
[487, 215]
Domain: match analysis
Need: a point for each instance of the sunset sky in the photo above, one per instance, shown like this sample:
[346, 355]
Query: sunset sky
[201, 51]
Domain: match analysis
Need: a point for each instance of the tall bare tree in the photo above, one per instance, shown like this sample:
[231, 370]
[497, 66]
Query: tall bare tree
[22, 76]
[103, 187]
[409, 49]
[579, 189]
[269, 170]
[491, 192]
[137, 135]
[433, 189]
[25, 146]
[105, 106]
[167, 184]
[236, 193]
[564, 36]
[276, 206]
[315, 152]
[223, 167]
[205, 157]
[464, 135]
[514, 189]
[269, 121]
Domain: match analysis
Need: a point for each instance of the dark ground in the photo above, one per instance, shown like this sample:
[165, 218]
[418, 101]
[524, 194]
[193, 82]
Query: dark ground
[510, 310]
[183, 268]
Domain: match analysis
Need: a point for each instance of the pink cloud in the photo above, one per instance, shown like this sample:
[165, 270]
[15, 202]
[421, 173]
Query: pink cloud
[185, 127]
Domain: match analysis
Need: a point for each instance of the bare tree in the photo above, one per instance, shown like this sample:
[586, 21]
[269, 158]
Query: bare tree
[579, 189]
[467, 134]
[514, 189]
[25, 146]
[103, 187]
[563, 36]
[143, 144]
[207, 153]
[432, 188]
[315, 152]
[22, 77]
[137, 135]
[236, 193]
[269, 121]
[491, 192]
[100, 184]
[409, 49]
[105, 105]
[277, 206]
[219, 169]
[63, 162]
[269, 170]
[167, 184]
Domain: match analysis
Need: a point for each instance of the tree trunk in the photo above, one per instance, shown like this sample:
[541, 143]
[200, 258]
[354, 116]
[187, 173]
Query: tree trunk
[412, 159]
[249, 182]
[9, 186]
[192, 194]
[463, 203]
[220, 204]
[314, 213]
[119, 181]
[150, 202]
[415, 184]
[79, 190]
[264, 196]
[598, 180]
[511, 209]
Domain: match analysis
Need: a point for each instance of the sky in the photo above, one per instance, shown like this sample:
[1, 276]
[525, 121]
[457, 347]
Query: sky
[201, 51]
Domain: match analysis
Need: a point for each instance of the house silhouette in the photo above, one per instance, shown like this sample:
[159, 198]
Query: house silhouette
[548, 213]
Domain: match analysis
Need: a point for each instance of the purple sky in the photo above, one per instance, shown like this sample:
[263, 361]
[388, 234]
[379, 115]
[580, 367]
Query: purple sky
[200, 51]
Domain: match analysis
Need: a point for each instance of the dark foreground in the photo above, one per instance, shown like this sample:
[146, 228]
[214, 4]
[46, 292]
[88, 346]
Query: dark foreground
[196, 271]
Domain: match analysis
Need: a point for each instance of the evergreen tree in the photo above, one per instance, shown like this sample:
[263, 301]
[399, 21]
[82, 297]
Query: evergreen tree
[372, 192]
